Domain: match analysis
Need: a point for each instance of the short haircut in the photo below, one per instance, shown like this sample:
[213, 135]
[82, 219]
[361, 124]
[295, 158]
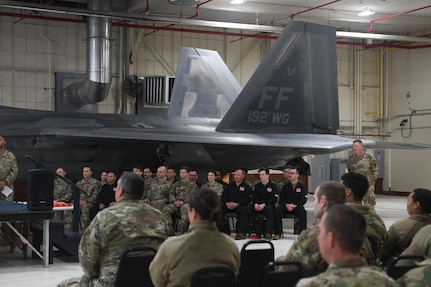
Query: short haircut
[244, 171]
[357, 182]
[138, 166]
[265, 169]
[348, 225]
[186, 168]
[132, 184]
[170, 167]
[207, 204]
[295, 168]
[423, 195]
[334, 192]
[358, 141]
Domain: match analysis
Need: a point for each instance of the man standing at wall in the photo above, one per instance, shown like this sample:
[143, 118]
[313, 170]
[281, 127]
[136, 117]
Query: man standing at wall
[8, 171]
[365, 164]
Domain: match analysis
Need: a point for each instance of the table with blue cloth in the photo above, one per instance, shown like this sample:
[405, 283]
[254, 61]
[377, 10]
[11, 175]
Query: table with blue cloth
[11, 211]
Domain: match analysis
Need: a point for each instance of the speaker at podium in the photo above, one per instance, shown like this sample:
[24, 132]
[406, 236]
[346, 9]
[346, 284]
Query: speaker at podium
[40, 189]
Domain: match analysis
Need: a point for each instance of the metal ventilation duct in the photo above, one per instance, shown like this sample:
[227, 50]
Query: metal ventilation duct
[95, 87]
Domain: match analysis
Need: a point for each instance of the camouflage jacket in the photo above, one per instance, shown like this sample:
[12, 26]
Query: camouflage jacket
[90, 189]
[62, 191]
[217, 187]
[124, 225]
[365, 165]
[159, 189]
[306, 250]
[419, 276]
[351, 272]
[8, 168]
[376, 229]
[148, 185]
[180, 190]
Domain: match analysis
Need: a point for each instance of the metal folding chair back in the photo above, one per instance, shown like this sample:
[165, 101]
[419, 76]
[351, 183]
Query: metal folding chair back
[213, 277]
[254, 261]
[399, 265]
[291, 274]
[133, 268]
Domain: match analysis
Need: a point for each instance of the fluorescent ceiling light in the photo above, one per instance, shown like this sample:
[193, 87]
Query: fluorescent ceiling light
[237, 1]
[366, 12]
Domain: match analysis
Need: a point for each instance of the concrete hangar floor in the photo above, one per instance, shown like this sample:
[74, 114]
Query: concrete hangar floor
[17, 271]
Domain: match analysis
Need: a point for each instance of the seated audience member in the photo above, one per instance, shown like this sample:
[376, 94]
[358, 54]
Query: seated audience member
[340, 247]
[178, 196]
[204, 246]
[305, 249]
[421, 243]
[417, 277]
[235, 197]
[193, 177]
[263, 199]
[106, 195]
[291, 200]
[213, 184]
[158, 194]
[356, 187]
[171, 175]
[126, 224]
[401, 232]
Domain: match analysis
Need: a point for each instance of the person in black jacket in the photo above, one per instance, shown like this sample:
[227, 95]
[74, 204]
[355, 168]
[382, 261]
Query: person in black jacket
[263, 199]
[235, 197]
[293, 196]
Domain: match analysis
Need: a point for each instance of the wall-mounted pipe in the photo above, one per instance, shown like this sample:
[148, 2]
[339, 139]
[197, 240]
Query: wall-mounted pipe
[241, 35]
[313, 8]
[392, 16]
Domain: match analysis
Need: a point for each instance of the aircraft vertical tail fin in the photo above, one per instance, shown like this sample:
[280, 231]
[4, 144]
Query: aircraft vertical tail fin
[203, 87]
[295, 88]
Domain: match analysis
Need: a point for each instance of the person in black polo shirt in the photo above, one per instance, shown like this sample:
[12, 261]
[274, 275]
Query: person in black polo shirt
[235, 197]
[293, 196]
[263, 199]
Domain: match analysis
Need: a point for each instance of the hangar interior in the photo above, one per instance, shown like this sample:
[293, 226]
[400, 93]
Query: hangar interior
[383, 59]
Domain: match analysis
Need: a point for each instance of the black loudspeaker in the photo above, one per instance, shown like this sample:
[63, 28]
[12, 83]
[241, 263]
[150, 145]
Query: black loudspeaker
[40, 189]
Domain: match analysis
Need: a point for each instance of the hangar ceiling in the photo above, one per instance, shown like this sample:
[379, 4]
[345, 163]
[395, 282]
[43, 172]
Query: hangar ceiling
[391, 17]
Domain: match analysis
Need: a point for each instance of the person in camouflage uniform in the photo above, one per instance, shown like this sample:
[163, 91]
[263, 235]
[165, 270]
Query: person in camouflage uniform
[417, 277]
[124, 225]
[63, 192]
[149, 180]
[340, 248]
[178, 196]
[90, 188]
[306, 249]
[158, 194]
[286, 177]
[213, 184]
[8, 169]
[356, 187]
[365, 164]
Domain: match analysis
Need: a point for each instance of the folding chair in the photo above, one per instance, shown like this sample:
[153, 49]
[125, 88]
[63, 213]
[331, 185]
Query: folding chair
[254, 261]
[133, 268]
[213, 277]
[399, 265]
[288, 278]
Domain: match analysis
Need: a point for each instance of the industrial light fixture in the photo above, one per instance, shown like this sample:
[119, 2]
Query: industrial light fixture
[237, 1]
[366, 12]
